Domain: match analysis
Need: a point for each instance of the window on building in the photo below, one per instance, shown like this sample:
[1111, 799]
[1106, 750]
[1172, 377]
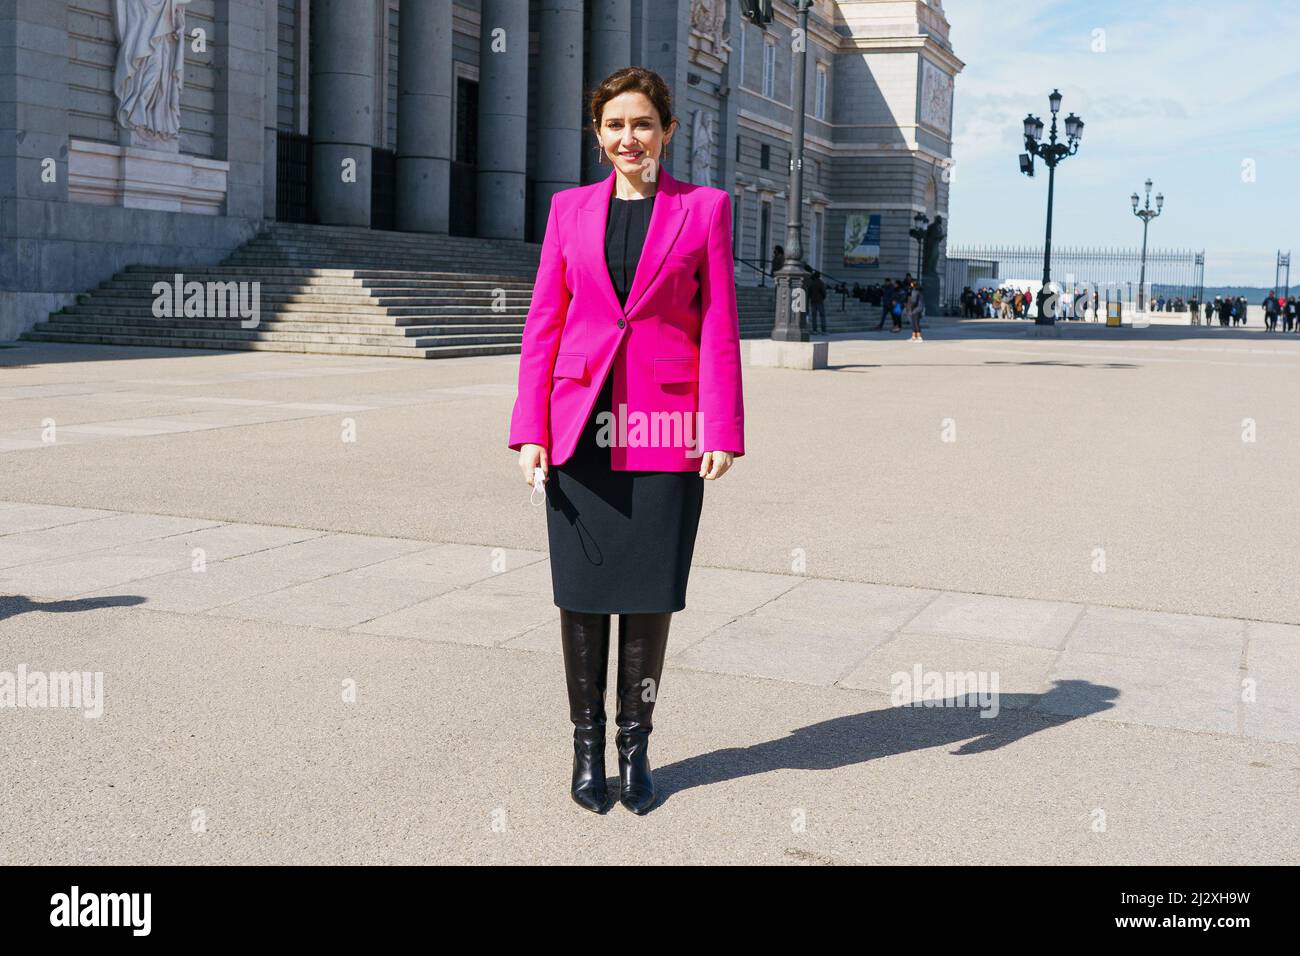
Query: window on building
[741, 72]
[769, 66]
[764, 156]
[819, 99]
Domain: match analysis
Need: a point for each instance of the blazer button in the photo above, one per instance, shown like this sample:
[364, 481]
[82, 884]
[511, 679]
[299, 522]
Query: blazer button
[621, 323]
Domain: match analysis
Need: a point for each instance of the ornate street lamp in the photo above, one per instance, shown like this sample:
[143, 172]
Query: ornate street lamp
[1146, 214]
[918, 233]
[757, 12]
[1051, 153]
[791, 279]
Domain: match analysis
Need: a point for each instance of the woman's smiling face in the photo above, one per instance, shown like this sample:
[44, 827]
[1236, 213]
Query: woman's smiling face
[630, 132]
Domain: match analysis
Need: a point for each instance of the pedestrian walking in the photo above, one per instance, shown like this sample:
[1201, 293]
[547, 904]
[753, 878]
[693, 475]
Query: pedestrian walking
[914, 309]
[817, 304]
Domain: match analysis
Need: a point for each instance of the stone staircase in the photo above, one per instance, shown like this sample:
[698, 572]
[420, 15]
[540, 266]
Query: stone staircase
[347, 291]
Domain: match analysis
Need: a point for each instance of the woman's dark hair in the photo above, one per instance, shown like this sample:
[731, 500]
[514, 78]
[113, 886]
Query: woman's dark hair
[636, 79]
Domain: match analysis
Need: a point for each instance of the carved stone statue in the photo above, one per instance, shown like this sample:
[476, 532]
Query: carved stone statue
[150, 71]
[702, 148]
[934, 235]
[707, 17]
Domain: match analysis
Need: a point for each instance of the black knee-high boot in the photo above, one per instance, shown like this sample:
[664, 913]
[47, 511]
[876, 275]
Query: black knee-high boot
[642, 644]
[585, 638]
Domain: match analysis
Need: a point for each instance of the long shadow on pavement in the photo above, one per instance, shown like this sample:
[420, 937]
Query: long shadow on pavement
[11, 605]
[857, 738]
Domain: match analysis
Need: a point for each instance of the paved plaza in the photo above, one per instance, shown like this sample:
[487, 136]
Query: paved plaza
[319, 599]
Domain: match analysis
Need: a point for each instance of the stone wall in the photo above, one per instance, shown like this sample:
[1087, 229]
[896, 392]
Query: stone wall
[52, 66]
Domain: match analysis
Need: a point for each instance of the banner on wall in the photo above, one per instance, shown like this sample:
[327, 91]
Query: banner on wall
[862, 241]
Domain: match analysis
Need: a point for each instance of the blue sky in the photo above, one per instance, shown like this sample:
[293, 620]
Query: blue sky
[1183, 92]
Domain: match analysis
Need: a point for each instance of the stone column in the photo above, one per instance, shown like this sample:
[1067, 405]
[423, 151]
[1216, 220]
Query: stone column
[559, 104]
[35, 274]
[270, 106]
[424, 78]
[502, 118]
[665, 34]
[342, 109]
[611, 49]
[240, 94]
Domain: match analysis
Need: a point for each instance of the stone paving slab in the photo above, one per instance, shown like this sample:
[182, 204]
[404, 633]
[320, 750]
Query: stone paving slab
[468, 616]
[983, 617]
[1116, 664]
[93, 534]
[19, 516]
[460, 754]
[83, 420]
[893, 664]
[1271, 678]
[1126, 438]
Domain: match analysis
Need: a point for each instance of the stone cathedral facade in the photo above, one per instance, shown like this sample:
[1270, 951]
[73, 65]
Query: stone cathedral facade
[170, 132]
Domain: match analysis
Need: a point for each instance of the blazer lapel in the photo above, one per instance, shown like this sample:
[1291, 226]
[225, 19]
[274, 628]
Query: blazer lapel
[666, 218]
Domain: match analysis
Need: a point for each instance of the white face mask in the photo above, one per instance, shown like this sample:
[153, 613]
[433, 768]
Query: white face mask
[539, 484]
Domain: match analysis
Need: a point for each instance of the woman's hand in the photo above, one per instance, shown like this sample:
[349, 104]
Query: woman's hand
[714, 464]
[531, 457]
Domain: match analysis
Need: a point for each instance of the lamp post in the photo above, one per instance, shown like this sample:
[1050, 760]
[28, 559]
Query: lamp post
[1051, 153]
[1146, 214]
[792, 278]
[917, 232]
[1200, 281]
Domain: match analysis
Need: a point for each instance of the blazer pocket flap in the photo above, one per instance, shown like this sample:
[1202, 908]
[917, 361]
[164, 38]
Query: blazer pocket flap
[570, 365]
[675, 370]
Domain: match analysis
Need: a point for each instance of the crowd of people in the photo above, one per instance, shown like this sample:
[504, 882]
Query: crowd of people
[1008, 302]
[1230, 309]
[903, 299]
[898, 300]
[1284, 308]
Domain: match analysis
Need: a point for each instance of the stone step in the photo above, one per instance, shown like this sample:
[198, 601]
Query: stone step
[280, 253]
[330, 285]
[349, 290]
[379, 337]
[321, 348]
[840, 322]
[388, 240]
[145, 311]
[145, 307]
[226, 273]
[378, 263]
[324, 234]
[406, 326]
[516, 253]
[144, 321]
[461, 301]
[333, 284]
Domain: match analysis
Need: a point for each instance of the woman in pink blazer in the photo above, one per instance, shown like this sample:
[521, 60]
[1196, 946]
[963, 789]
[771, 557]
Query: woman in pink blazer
[629, 400]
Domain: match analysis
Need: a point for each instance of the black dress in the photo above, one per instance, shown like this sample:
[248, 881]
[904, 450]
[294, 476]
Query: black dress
[621, 541]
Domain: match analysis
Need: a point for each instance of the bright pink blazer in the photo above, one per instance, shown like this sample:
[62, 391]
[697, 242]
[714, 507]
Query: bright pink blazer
[674, 349]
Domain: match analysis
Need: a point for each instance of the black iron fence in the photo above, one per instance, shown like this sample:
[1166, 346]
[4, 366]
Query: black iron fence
[1112, 273]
